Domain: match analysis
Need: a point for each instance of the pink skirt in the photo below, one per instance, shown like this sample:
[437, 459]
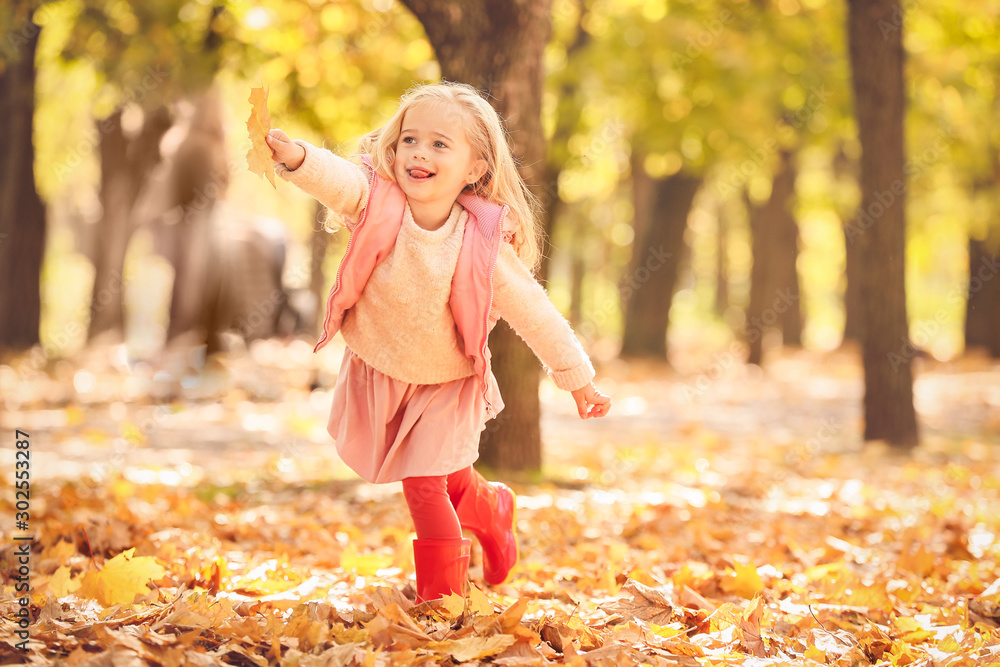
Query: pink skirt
[387, 430]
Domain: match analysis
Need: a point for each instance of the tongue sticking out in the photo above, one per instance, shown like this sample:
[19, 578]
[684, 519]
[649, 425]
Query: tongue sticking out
[420, 173]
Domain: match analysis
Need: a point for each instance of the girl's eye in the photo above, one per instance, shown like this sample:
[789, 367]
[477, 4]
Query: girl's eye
[407, 140]
[440, 144]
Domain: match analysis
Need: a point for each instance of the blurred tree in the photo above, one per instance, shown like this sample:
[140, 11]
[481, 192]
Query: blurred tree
[661, 207]
[567, 118]
[497, 46]
[679, 74]
[953, 168]
[22, 214]
[127, 159]
[178, 54]
[198, 178]
[982, 312]
[846, 168]
[876, 50]
[774, 281]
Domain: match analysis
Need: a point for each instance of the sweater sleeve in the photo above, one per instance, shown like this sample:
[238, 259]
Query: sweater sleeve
[338, 184]
[524, 304]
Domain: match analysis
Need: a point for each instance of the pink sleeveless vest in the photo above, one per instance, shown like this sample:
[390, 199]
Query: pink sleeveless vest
[471, 287]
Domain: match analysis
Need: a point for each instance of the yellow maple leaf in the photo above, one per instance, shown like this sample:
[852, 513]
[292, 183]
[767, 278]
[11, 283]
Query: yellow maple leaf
[475, 648]
[61, 584]
[813, 653]
[744, 581]
[367, 565]
[60, 551]
[511, 616]
[121, 579]
[454, 604]
[259, 124]
[479, 603]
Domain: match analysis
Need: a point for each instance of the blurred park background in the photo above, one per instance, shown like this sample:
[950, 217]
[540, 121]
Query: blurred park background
[774, 224]
[705, 193]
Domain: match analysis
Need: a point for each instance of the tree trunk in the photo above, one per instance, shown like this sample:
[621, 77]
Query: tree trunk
[199, 178]
[319, 243]
[788, 255]
[661, 211]
[721, 263]
[852, 289]
[876, 51]
[125, 165]
[578, 270]
[497, 46]
[982, 308]
[774, 281]
[846, 168]
[22, 214]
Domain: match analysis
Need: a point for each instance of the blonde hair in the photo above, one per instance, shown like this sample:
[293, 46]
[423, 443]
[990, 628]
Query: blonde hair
[501, 184]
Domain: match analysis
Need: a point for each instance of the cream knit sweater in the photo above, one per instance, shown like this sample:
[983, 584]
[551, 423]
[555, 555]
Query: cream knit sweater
[402, 325]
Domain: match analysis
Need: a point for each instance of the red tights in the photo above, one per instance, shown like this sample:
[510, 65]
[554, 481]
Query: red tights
[432, 502]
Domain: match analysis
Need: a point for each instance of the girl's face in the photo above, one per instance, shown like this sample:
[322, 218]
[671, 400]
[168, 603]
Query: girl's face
[434, 160]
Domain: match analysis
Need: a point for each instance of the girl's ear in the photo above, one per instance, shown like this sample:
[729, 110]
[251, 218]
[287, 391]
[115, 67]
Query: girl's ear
[477, 171]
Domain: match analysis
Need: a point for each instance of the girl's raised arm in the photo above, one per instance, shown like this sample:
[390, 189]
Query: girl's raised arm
[339, 184]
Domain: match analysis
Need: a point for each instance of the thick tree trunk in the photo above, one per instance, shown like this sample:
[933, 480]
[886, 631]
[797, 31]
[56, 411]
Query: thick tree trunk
[497, 46]
[661, 210]
[22, 214]
[982, 308]
[876, 51]
[125, 165]
[774, 281]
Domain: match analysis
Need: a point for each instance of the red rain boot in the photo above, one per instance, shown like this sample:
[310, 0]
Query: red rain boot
[442, 567]
[488, 509]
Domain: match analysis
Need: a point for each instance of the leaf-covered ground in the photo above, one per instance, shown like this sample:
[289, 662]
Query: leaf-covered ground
[719, 516]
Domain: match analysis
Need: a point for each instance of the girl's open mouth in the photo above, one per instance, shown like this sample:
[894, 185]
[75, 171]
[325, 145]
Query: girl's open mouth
[419, 174]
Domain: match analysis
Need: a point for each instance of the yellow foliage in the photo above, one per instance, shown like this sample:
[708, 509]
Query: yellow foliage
[259, 124]
[121, 579]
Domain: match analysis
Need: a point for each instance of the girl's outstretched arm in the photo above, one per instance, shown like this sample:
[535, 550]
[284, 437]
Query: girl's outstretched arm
[523, 303]
[339, 184]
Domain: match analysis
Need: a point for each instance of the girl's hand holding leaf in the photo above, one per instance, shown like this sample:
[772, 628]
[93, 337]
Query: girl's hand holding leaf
[283, 149]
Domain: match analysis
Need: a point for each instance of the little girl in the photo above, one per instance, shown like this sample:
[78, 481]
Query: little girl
[442, 236]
